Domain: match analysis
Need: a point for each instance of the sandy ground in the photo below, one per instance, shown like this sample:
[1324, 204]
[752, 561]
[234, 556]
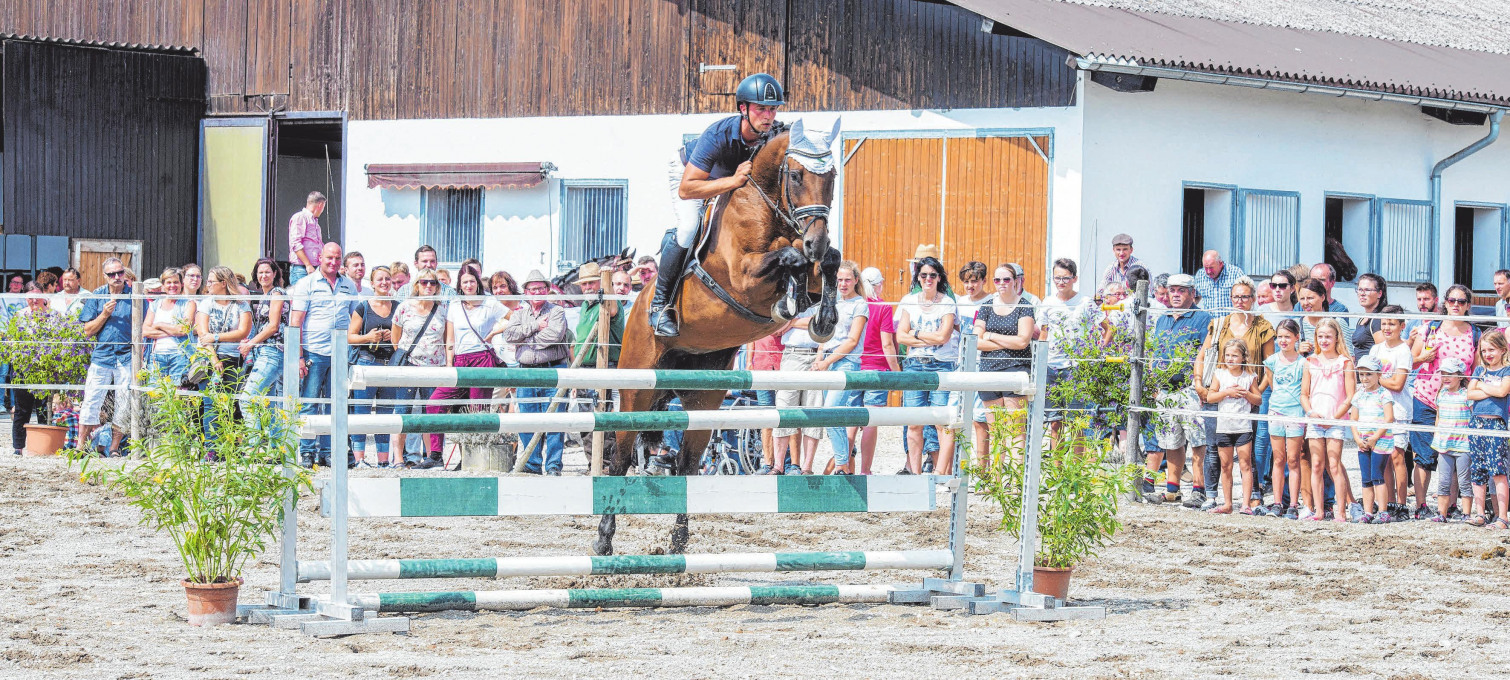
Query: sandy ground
[87, 592]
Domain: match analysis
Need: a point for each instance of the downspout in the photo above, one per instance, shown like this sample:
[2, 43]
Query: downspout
[1442, 165]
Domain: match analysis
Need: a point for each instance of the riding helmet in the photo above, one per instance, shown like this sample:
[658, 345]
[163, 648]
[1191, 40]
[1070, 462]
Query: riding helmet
[760, 88]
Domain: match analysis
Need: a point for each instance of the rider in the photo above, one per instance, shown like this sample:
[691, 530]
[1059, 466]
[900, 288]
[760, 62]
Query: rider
[717, 163]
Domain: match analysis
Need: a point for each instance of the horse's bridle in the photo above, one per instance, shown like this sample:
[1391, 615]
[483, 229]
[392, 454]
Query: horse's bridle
[801, 218]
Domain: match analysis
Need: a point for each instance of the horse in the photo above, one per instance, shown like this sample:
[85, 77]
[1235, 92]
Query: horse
[766, 248]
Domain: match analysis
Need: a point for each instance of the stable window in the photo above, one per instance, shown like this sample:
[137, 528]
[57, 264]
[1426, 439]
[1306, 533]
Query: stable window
[1405, 241]
[1349, 225]
[594, 215]
[1205, 223]
[453, 223]
[1266, 237]
[1480, 244]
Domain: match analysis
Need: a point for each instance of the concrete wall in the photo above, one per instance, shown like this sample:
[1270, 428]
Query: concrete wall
[521, 227]
[1141, 147]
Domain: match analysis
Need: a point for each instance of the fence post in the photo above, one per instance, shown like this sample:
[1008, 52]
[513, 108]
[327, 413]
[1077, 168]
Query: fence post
[535, 441]
[960, 500]
[288, 559]
[604, 336]
[132, 395]
[1134, 442]
[1028, 547]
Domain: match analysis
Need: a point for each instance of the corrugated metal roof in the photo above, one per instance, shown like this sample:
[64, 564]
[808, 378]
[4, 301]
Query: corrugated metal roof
[135, 47]
[1243, 49]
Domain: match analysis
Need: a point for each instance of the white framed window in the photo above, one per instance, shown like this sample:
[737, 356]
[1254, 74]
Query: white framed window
[1405, 241]
[453, 223]
[594, 219]
[1266, 233]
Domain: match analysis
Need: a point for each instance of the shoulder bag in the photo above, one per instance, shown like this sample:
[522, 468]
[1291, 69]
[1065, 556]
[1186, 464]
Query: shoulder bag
[401, 357]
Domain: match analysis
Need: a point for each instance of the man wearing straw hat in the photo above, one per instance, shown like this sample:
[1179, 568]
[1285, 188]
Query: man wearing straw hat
[540, 336]
[589, 278]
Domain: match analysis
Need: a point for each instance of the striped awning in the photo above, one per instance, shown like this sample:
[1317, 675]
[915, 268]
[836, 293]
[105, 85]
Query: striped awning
[457, 175]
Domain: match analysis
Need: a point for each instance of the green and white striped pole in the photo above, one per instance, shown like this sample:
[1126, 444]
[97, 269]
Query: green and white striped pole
[506, 567]
[717, 419]
[578, 598]
[367, 377]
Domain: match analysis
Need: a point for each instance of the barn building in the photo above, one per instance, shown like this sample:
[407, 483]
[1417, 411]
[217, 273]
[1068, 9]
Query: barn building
[538, 134]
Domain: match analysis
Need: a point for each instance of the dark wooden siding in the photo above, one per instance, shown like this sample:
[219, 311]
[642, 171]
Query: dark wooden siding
[103, 144]
[384, 59]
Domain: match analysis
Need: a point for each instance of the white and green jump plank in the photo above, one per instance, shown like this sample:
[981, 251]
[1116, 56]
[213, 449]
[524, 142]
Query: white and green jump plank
[641, 495]
[713, 419]
[577, 598]
[367, 377]
[506, 567]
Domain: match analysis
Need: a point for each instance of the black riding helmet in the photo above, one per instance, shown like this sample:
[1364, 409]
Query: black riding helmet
[760, 88]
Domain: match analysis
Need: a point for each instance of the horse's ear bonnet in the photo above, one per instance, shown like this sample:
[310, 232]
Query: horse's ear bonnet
[813, 151]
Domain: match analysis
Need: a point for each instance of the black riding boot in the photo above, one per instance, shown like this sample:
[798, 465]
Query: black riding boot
[672, 260]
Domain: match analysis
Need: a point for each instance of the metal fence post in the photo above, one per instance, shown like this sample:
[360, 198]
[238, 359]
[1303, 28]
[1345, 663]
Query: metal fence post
[288, 561]
[339, 409]
[960, 500]
[132, 400]
[1027, 551]
[1134, 442]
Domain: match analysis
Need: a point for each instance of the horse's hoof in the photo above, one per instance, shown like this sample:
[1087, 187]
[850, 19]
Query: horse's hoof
[819, 335]
[778, 312]
[601, 547]
[678, 541]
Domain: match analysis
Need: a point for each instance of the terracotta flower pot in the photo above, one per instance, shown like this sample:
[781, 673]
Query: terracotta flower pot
[44, 440]
[211, 604]
[1052, 582]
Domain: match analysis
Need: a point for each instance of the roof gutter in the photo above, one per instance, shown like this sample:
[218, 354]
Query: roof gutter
[1442, 165]
[1132, 67]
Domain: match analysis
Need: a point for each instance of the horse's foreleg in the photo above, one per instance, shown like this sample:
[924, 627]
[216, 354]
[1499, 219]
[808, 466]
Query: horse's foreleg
[606, 528]
[679, 536]
[822, 325]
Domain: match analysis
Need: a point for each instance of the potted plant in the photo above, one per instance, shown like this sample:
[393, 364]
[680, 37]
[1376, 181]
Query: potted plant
[1078, 495]
[44, 348]
[217, 491]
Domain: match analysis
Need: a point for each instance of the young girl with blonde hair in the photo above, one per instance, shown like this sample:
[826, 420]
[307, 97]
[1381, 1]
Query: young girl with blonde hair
[1326, 393]
[1233, 390]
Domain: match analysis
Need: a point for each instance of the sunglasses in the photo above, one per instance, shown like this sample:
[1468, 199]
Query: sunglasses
[115, 275]
[1242, 297]
[927, 275]
[1457, 301]
[1005, 280]
[427, 282]
[1278, 284]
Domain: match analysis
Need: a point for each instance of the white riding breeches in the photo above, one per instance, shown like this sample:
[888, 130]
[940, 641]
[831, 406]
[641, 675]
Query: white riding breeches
[687, 212]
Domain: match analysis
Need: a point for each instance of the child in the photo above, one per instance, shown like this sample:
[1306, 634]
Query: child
[1373, 404]
[1285, 370]
[1487, 454]
[1232, 391]
[1452, 449]
[1326, 393]
[1395, 360]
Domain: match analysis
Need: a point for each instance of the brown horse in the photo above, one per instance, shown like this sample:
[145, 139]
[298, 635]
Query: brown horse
[766, 252]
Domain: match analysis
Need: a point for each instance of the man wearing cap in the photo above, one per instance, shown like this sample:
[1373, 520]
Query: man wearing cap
[540, 336]
[589, 278]
[1171, 332]
[1122, 249]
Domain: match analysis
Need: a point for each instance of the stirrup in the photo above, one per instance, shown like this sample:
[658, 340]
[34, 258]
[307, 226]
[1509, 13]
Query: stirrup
[663, 324]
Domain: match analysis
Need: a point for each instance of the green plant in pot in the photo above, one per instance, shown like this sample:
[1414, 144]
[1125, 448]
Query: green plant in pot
[44, 348]
[217, 491]
[1078, 495]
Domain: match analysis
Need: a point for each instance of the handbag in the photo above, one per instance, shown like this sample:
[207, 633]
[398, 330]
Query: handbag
[1210, 360]
[401, 357]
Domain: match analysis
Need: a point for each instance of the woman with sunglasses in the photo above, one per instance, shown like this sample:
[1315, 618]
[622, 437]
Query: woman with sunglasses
[371, 334]
[167, 324]
[1436, 341]
[1004, 329]
[925, 325]
[1257, 334]
[263, 351]
[221, 323]
[1286, 299]
[419, 336]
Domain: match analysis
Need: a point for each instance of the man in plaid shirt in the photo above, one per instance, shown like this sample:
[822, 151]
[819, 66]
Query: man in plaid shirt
[1214, 283]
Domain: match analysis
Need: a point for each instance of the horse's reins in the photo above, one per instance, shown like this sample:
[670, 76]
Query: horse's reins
[800, 219]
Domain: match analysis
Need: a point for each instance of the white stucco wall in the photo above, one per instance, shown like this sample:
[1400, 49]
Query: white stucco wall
[520, 231]
[1141, 147]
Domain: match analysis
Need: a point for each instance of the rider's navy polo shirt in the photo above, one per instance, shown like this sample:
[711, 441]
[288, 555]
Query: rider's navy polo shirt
[719, 150]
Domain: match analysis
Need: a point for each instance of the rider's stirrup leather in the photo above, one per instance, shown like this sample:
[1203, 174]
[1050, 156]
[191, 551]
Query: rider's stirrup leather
[665, 282]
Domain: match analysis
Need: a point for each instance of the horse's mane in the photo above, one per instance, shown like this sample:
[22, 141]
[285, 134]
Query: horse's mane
[777, 129]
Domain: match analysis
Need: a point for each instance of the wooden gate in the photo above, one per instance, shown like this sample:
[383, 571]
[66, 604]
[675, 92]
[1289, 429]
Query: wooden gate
[978, 198]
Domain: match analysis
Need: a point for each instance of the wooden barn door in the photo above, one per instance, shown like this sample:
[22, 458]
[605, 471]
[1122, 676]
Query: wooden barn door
[976, 198]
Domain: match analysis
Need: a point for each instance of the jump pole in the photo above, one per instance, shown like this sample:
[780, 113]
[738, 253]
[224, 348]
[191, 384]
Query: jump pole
[367, 377]
[592, 598]
[581, 421]
[509, 567]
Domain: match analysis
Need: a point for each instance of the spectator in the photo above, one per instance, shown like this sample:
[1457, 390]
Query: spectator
[1022, 283]
[471, 325]
[1214, 283]
[1286, 296]
[1502, 294]
[589, 278]
[69, 302]
[305, 239]
[1436, 342]
[799, 352]
[46, 284]
[1312, 296]
[1186, 327]
[1328, 277]
[398, 275]
[425, 258]
[354, 267]
[220, 325]
[1234, 390]
[1395, 359]
[109, 322]
[1123, 260]
[263, 351]
[371, 336]
[1064, 315]
[1427, 302]
[540, 333]
[193, 278]
[880, 353]
[35, 302]
[1006, 329]
[1257, 336]
[1285, 370]
[1373, 295]
[1265, 293]
[1489, 455]
[926, 326]
[644, 272]
[322, 304]
[1326, 393]
[419, 339]
[167, 324]
[503, 286]
[972, 278]
[842, 352]
[765, 355]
